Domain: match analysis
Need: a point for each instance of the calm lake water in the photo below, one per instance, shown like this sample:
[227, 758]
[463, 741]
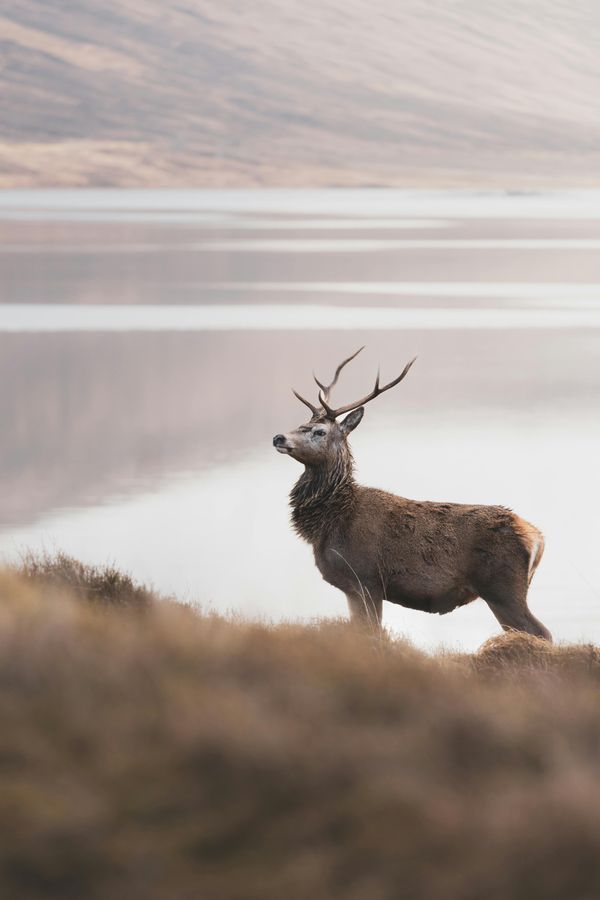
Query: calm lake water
[149, 340]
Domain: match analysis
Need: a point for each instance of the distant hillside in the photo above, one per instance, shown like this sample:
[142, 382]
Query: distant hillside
[144, 92]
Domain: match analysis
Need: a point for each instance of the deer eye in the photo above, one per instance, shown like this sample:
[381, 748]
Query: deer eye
[319, 432]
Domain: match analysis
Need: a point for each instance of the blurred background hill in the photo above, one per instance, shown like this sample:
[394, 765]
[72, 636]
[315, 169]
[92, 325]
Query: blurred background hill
[149, 93]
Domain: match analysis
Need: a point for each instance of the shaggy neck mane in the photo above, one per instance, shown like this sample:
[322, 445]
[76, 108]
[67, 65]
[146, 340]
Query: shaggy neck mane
[323, 495]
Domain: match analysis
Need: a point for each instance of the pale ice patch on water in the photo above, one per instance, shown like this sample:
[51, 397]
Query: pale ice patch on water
[312, 245]
[459, 204]
[495, 289]
[48, 318]
[367, 245]
[345, 224]
[237, 222]
[222, 539]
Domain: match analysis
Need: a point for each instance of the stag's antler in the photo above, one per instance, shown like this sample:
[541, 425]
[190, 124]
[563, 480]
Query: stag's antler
[325, 391]
[333, 413]
[325, 388]
[314, 409]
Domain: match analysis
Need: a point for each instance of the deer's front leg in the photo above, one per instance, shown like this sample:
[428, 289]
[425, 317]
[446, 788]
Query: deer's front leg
[365, 610]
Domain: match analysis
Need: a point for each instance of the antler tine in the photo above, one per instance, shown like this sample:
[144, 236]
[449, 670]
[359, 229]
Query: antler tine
[333, 413]
[314, 409]
[325, 389]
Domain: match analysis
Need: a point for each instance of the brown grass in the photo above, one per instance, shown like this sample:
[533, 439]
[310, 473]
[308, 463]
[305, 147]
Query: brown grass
[102, 586]
[175, 756]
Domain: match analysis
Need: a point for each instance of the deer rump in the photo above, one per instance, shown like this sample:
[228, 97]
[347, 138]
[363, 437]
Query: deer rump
[427, 556]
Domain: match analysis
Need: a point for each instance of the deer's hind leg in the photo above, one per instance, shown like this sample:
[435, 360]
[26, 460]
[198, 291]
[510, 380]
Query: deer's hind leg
[507, 599]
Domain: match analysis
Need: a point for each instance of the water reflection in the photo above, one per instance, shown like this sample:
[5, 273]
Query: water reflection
[152, 448]
[223, 540]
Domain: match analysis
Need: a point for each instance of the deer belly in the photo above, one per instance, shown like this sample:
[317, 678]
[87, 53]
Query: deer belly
[440, 602]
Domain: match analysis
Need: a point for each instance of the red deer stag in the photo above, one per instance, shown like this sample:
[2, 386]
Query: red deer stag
[375, 546]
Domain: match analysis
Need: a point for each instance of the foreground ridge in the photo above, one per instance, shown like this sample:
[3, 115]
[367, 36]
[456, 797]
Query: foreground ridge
[150, 750]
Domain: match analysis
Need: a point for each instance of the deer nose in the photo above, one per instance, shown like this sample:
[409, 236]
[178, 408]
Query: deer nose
[278, 440]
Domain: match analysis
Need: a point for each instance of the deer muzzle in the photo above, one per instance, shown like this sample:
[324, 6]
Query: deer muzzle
[281, 444]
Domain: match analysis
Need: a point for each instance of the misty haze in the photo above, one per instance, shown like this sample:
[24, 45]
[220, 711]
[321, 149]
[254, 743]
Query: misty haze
[155, 446]
[260, 637]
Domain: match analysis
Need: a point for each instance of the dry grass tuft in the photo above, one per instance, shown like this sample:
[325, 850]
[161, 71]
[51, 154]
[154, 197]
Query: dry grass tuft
[173, 755]
[100, 585]
[514, 653]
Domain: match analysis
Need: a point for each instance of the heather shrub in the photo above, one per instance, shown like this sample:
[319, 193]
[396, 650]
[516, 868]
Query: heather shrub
[175, 755]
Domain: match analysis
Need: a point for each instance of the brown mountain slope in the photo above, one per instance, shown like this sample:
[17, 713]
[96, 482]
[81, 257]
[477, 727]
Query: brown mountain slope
[142, 92]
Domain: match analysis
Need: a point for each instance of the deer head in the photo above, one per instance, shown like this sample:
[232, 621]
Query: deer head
[315, 443]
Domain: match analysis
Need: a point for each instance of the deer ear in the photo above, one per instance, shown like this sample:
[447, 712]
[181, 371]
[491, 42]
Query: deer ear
[352, 420]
